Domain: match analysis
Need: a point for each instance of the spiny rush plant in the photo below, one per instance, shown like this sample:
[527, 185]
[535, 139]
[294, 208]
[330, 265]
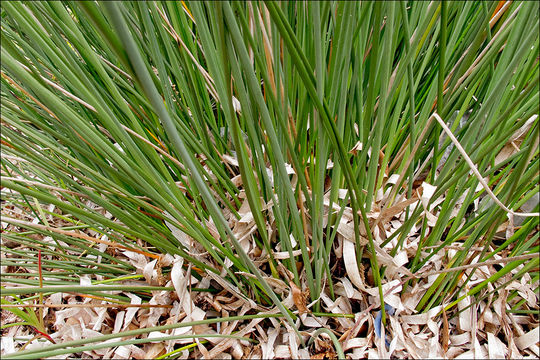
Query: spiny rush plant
[264, 142]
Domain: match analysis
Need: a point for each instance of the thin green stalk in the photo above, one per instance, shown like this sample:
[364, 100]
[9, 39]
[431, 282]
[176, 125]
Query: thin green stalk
[440, 83]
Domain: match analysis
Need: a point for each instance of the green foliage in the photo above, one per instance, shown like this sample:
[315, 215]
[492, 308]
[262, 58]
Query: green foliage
[125, 117]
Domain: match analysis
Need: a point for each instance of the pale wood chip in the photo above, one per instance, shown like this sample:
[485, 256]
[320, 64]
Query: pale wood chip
[512, 146]
[226, 343]
[282, 352]
[496, 348]
[268, 346]
[351, 265]
[118, 321]
[355, 343]
[130, 313]
[233, 290]
[229, 160]
[122, 352]
[529, 340]
[465, 315]
[334, 307]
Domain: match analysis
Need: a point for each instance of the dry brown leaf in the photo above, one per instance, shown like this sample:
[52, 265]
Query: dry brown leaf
[324, 349]
[356, 148]
[299, 298]
[445, 332]
[392, 211]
